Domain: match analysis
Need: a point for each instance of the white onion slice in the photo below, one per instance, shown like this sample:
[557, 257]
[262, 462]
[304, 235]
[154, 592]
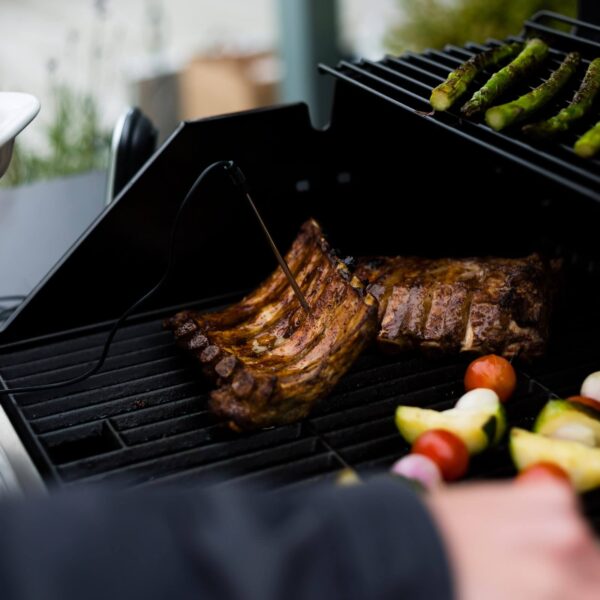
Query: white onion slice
[478, 399]
[591, 387]
[575, 432]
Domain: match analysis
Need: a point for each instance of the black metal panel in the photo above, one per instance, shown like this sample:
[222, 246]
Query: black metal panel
[124, 251]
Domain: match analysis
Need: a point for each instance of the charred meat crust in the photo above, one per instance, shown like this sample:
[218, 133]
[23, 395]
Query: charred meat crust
[480, 305]
[270, 360]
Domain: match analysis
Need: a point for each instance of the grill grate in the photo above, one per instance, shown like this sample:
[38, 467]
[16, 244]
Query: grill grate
[406, 81]
[144, 419]
[144, 416]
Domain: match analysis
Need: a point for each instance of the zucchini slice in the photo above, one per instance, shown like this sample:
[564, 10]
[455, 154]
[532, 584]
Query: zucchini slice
[558, 413]
[581, 462]
[478, 429]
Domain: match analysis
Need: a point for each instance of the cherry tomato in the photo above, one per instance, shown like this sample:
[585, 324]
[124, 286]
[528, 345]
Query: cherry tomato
[493, 372]
[541, 471]
[446, 450]
[589, 402]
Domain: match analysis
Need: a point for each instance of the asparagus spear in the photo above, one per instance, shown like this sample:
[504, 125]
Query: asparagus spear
[588, 144]
[499, 117]
[447, 93]
[580, 106]
[533, 54]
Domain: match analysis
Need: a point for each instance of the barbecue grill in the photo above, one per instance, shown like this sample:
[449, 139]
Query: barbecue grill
[143, 419]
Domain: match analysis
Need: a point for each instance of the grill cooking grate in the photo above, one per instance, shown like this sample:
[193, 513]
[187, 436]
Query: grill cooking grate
[143, 419]
[144, 416]
[406, 81]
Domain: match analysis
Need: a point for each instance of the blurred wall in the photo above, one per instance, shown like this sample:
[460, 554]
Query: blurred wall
[102, 46]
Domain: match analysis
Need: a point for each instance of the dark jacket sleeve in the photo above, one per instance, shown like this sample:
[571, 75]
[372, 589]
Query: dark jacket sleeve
[374, 541]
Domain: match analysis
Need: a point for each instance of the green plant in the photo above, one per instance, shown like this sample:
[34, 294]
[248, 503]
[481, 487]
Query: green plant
[74, 138]
[435, 23]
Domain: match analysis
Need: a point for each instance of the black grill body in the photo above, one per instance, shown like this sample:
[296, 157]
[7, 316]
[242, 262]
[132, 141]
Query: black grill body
[445, 188]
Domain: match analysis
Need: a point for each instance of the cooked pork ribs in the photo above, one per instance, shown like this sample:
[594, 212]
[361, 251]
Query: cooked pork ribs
[480, 305]
[271, 361]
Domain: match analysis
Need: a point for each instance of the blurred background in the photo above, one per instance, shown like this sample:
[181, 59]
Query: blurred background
[87, 60]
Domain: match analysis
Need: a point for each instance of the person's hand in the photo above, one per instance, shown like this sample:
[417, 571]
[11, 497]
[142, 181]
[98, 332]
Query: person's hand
[517, 541]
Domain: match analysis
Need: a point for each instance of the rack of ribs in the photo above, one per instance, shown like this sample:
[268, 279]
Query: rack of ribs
[480, 305]
[272, 361]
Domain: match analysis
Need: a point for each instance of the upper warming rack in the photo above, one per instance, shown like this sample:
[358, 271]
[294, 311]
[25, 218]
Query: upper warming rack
[407, 81]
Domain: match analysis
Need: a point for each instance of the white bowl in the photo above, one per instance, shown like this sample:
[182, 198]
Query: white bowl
[17, 110]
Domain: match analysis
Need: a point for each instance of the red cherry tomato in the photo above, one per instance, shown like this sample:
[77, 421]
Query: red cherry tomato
[541, 471]
[589, 402]
[493, 372]
[446, 450]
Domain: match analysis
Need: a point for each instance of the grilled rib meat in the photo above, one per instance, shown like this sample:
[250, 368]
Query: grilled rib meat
[271, 361]
[489, 305]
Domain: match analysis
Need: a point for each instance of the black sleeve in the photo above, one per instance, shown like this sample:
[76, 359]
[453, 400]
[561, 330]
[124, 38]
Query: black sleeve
[374, 541]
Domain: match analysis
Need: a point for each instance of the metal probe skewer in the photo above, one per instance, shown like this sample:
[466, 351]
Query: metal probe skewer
[279, 257]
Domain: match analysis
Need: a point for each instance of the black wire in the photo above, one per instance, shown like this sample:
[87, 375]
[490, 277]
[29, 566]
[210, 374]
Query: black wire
[229, 167]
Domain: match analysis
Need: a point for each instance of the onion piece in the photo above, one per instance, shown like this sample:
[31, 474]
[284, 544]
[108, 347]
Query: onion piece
[419, 468]
[591, 386]
[575, 432]
[478, 399]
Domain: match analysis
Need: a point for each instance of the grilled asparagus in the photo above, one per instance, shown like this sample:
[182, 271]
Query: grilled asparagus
[532, 55]
[588, 144]
[499, 117]
[579, 107]
[447, 93]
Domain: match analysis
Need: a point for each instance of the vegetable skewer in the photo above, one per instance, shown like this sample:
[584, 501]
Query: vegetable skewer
[447, 93]
[565, 440]
[579, 107]
[532, 55]
[442, 442]
[499, 117]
